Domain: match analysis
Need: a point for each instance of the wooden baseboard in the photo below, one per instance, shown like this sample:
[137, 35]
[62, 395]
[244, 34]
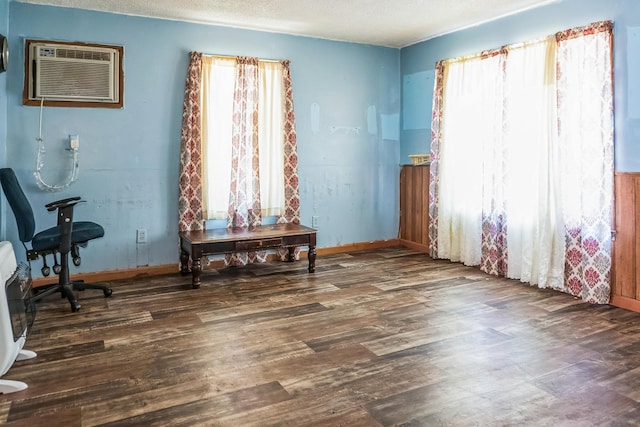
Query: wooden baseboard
[105, 276]
[156, 270]
[625, 302]
[353, 247]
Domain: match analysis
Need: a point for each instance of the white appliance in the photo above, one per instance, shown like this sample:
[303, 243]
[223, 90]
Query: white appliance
[67, 72]
[16, 315]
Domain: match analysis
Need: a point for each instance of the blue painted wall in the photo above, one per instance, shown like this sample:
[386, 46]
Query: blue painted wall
[563, 14]
[129, 157]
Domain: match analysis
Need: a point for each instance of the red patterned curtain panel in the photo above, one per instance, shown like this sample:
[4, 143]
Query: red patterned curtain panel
[190, 177]
[291, 192]
[244, 199]
[535, 142]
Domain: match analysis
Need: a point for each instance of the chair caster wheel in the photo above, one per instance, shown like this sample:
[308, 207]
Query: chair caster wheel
[107, 293]
[75, 306]
[76, 261]
[57, 268]
[45, 271]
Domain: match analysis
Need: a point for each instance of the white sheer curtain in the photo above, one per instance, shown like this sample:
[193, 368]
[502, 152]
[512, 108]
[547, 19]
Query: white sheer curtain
[271, 137]
[218, 84]
[535, 231]
[473, 96]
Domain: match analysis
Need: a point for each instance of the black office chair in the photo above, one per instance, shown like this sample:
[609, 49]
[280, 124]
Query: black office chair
[62, 239]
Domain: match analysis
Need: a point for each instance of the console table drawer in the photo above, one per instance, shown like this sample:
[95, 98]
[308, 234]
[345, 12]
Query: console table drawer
[300, 240]
[252, 245]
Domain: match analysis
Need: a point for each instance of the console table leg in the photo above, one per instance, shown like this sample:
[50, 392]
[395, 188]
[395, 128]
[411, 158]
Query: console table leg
[312, 259]
[196, 268]
[291, 256]
[184, 262]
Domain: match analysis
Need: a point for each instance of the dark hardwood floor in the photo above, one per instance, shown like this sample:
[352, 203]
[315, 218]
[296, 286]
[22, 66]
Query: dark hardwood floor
[386, 337]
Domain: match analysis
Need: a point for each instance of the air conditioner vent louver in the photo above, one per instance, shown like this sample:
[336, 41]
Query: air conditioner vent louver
[82, 54]
[75, 80]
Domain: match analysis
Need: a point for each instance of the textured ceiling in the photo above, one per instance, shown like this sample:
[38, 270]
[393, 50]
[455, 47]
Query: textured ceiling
[394, 23]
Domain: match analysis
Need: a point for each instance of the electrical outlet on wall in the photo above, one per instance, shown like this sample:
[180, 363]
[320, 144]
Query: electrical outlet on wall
[141, 235]
[314, 221]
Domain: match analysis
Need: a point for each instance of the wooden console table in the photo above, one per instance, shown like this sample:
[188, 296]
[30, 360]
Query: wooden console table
[199, 243]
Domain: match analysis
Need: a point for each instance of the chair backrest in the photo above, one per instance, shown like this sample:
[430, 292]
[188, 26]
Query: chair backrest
[19, 204]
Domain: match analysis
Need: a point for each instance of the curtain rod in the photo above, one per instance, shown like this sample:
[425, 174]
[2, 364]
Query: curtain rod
[236, 56]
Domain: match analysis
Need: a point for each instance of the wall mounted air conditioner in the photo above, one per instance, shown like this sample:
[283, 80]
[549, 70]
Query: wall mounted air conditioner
[79, 73]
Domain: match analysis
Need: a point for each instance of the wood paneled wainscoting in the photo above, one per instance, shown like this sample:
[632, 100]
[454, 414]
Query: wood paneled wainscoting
[414, 207]
[625, 280]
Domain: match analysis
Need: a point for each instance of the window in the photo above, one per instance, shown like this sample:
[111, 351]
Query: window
[238, 148]
[522, 161]
[264, 100]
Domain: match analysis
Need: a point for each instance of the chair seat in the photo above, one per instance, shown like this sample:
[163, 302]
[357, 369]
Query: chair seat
[83, 231]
